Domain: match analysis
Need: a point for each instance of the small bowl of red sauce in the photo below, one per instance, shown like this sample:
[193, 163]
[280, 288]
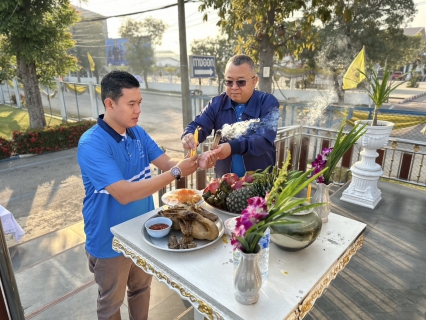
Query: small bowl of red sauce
[158, 227]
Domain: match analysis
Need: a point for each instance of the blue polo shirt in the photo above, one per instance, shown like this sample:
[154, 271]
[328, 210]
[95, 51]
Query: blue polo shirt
[106, 157]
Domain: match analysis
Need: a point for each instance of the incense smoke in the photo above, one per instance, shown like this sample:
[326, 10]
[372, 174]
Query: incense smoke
[250, 127]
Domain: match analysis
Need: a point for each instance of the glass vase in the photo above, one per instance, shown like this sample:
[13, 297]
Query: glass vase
[322, 194]
[299, 235]
[248, 279]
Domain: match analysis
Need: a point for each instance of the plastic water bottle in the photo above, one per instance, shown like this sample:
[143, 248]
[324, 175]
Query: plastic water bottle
[263, 256]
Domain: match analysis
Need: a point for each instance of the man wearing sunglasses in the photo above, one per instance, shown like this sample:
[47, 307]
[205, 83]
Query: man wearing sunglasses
[255, 148]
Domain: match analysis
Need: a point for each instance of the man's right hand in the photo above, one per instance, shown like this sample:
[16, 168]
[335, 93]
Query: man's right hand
[223, 150]
[188, 166]
[188, 142]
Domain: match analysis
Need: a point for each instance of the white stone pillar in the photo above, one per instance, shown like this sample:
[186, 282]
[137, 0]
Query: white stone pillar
[17, 94]
[62, 101]
[93, 100]
[363, 188]
[3, 100]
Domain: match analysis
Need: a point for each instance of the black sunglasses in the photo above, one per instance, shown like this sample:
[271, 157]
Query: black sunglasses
[240, 83]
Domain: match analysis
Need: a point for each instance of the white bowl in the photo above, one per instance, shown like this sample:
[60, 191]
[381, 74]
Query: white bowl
[158, 233]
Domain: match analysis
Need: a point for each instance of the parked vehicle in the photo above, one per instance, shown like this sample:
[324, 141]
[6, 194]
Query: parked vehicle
[398, 75]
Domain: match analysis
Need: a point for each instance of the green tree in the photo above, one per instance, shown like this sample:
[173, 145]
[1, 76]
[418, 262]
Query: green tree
[219, 47]
[403, 50]
[276, 31]
[143, 37]
[375, 25]
[37, 33]
[7, 62]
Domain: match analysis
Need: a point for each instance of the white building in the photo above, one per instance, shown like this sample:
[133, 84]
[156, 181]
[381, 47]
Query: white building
[167, 62]
[167, 58]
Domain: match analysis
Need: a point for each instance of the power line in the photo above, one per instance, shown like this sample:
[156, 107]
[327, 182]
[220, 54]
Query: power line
[133, 13]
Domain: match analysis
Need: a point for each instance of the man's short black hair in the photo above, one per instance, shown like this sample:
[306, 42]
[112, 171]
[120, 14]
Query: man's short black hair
[113, 83]
[240, 59]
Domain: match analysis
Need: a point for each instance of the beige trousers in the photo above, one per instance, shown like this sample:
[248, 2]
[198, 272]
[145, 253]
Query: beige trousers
[113, 275]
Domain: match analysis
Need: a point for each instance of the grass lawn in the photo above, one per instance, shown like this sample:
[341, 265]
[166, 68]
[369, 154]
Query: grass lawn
[14, 119]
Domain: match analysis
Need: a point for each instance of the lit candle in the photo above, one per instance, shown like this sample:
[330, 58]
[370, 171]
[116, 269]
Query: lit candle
[194, 151]
[308, 196]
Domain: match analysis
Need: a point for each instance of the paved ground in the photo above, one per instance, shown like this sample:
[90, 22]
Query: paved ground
[386, 279]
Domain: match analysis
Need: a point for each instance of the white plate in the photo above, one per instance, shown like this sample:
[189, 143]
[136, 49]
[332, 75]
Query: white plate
[229, 213]
[162, 243]
[172, 202]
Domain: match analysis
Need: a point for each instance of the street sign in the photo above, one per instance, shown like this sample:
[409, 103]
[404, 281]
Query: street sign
[202, 66]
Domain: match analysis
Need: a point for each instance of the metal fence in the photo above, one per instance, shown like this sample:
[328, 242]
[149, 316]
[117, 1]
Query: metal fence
[401, 159]
[304, 135]
[68, 100]
[408, 124]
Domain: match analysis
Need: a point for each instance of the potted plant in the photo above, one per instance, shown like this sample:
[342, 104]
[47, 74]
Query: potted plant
[413, 80]
[379, 91]
[363, 188]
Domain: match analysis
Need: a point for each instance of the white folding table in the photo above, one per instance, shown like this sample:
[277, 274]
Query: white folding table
[205, 277]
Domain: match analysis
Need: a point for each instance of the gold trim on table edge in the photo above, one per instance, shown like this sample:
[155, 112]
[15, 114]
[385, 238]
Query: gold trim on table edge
[203, 307]
[325, 281]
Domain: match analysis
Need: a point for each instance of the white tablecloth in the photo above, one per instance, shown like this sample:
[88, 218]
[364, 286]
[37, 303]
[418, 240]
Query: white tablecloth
[10, 225]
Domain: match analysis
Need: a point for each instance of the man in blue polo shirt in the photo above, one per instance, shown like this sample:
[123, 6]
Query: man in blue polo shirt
[250, 150]
[114, 157]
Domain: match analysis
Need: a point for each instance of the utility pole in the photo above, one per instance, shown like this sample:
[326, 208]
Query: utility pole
[184, 77]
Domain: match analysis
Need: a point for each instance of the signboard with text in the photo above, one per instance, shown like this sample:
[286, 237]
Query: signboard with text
[116, 51]
[202, 66]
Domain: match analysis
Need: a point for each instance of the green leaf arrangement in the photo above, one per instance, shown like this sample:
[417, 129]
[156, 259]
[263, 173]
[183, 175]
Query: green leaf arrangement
[379, 91]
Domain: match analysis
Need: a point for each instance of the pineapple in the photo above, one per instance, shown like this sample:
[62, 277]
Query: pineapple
[237, 200]
[264, 183]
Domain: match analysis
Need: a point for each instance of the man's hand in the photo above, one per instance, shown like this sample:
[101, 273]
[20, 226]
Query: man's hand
[207, 160]
[222, 151]
[188, 142]
[188, 165]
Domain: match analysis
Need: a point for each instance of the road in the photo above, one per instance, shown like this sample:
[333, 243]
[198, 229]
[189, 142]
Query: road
[402, 93]
[418, 104]
[161, 115]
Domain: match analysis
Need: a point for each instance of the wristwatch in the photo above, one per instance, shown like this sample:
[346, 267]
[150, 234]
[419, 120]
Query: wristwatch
[175, 171]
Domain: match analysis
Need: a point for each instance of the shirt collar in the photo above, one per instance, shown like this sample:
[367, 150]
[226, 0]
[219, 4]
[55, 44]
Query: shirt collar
[116, 136]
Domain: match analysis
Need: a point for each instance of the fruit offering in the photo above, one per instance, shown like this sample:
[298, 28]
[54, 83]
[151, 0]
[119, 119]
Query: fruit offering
[231, 192]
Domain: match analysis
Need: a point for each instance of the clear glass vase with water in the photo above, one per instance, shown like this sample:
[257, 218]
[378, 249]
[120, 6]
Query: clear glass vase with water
[263, 258]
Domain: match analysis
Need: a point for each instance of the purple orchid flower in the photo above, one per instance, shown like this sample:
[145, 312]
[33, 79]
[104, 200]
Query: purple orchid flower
[320, 162]
[326, 151]
[256, 211]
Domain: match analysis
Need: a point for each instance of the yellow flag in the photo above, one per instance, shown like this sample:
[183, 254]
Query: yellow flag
[352, 77]
[92, 63]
